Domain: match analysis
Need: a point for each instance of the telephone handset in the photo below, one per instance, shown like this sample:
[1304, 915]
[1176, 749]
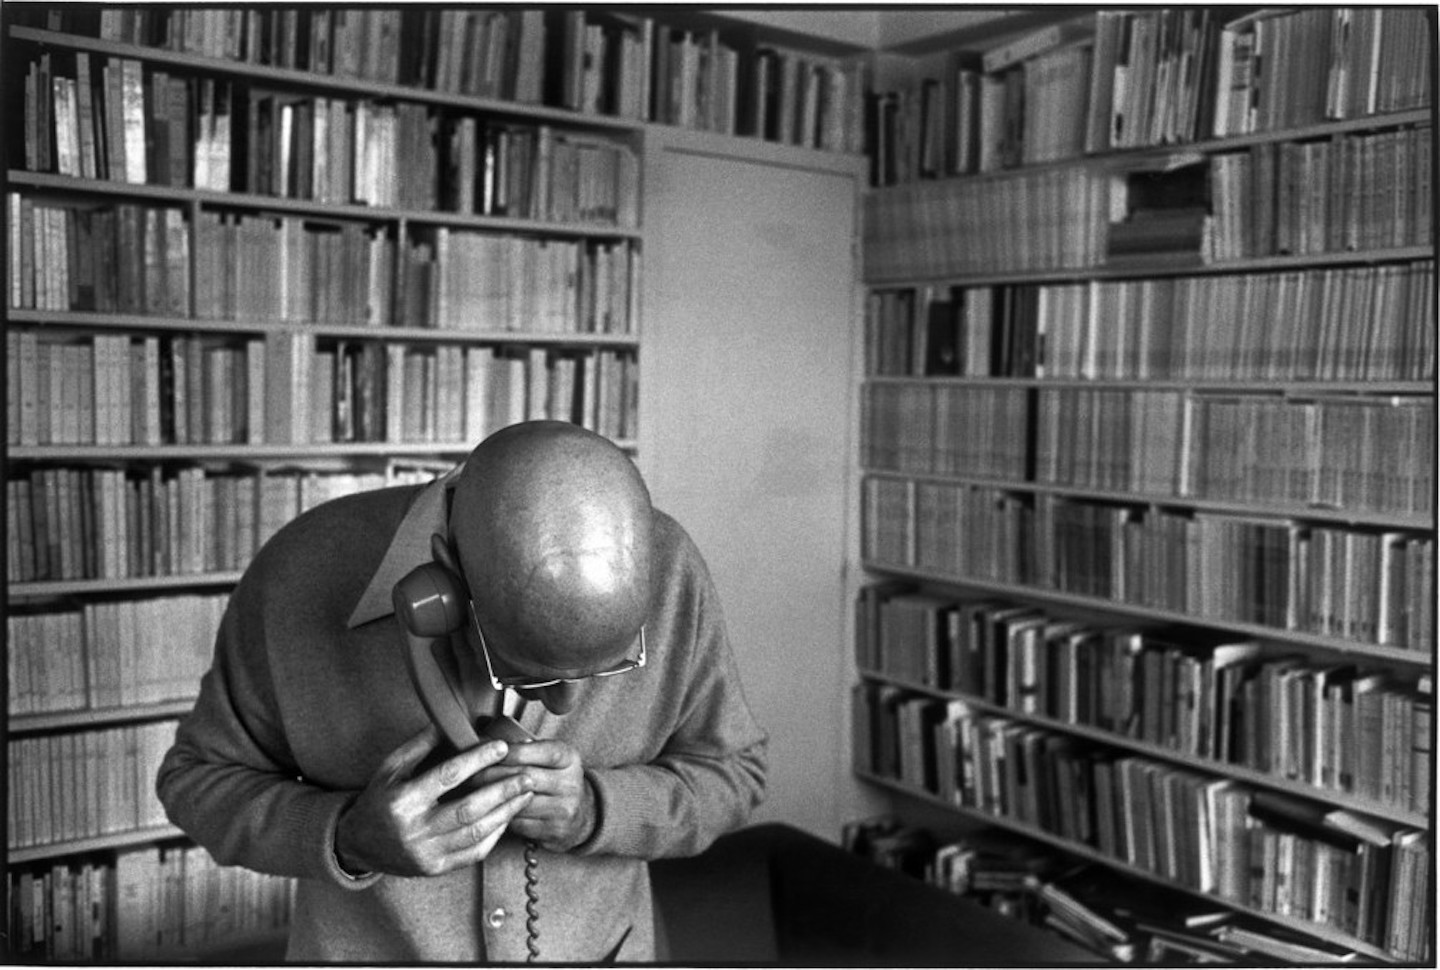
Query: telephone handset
[430, 602]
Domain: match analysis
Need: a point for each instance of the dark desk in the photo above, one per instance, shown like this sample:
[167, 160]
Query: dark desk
[773, 894]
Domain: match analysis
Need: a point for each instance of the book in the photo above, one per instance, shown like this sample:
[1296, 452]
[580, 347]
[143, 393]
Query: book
[1035, 42]
[1278, 944]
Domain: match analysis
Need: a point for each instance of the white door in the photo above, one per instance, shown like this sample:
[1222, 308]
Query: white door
[746, 420]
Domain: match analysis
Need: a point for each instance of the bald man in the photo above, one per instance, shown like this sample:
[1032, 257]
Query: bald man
[591, 619]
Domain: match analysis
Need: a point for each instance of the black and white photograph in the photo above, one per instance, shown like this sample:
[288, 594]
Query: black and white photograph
[796, 485]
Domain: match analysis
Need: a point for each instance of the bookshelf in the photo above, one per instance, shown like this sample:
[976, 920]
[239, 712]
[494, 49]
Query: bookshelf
[1146, 437]
[241, 281]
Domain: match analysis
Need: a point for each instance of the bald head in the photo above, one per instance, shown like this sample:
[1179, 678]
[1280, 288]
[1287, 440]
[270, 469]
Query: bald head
[552, 525]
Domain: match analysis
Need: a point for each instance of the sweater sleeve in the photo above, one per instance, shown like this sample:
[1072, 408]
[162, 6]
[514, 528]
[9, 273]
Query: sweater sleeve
[230, 781]
[710, 772]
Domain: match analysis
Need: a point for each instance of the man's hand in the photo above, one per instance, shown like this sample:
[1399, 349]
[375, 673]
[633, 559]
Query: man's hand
[562, 813]
[398, 825]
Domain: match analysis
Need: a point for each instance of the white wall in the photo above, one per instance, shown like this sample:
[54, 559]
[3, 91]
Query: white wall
[746, 437]
[870, 28]
[858, 27]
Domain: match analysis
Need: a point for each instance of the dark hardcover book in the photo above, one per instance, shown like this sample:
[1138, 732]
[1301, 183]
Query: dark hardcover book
[887, 731]
[1024, 331]
[880, 113]
[168, 429]
[942, 345]
[932, 129]
[1013, 131]
[1001, 323]
[863, 729]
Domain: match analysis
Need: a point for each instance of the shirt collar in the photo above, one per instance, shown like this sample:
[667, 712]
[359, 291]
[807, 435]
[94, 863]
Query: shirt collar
[409, 547]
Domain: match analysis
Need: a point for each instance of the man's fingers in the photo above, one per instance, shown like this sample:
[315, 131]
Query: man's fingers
[473, 841]
[456, 770]
[404, 759]
[541, 754]
[476, 805]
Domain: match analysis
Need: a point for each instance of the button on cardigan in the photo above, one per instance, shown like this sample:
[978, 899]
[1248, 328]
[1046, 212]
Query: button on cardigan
[308, 692]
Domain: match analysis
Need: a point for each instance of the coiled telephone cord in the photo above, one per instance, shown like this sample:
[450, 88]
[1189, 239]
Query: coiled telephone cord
[532, 901]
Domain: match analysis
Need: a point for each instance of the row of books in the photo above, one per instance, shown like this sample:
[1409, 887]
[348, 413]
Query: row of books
[84, 784]
[1336, 323]
[700, 80]
[1085, 903]
[955, 331]
[1118, 440]
[595, 62]
[1322, 452]
[1102, 910]
[103, 656]
[138, 259]
[1361, 585]
[1004, 873]
[116, 259]
[974, 118]
[1336, 726]
[474, 281]
[116, 120]
[456, 51]
[364, 391]
[289, 269]
[112, 120]
[1271, 853]
[1135, 79]
[1184, 75]
[1355, 192]
[1252, 204]
[947, 429]
[1293, 68]
[1333, 323]
[69, 523]
[1048, 219]
[971, 531]
[145, 904]
[283, 389]
[1366, 454]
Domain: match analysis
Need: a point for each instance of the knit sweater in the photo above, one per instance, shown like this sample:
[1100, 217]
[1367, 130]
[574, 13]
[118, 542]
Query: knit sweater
[308, 692]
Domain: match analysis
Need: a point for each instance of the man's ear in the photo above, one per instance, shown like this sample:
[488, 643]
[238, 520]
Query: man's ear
[442, 552]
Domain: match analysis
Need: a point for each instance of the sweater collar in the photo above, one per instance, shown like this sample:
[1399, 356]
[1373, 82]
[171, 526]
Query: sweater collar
[427, 515]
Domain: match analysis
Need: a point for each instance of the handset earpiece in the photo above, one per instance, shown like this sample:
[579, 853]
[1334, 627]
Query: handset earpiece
[430, 606]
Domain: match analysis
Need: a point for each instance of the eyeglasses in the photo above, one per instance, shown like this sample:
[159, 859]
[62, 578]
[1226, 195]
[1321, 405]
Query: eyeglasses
[519, 682]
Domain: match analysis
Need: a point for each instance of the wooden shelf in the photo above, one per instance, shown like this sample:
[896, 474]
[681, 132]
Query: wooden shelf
[1317, 931]
[290, 77]
[1311, 513]
[36, 723]
[950, 232]
[1129, 159]
[1101, 604]
[1283, 388]
[131, 584]
[94, 320]
[332, 210]
[374, 449]
[1329, 796]
[1102, 272]
[235, 452]
[118, 840]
